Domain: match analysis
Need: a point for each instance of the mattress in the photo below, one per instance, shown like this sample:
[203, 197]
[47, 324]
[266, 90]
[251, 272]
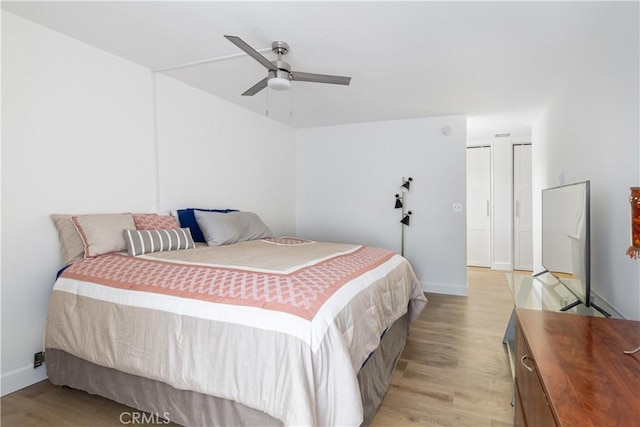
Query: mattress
[281, 326]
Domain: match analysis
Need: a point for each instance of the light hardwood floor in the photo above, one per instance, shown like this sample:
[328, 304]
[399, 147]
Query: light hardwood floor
[454, 372]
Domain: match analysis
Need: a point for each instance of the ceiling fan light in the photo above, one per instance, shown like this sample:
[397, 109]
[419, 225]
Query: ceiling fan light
[279, 83]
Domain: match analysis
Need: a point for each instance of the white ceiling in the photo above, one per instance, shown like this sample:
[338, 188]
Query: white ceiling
[497, 62]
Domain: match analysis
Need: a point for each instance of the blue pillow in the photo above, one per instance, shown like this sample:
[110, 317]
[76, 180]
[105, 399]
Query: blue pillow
[188, 219]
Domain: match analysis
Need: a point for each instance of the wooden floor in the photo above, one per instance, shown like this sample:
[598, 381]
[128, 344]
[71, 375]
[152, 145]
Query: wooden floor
[454, 372]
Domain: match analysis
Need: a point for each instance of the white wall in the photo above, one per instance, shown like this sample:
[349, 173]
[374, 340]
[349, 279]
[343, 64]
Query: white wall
[78, 137]
[214, 153]
[590, 131]
[347, 177]
[75, 132]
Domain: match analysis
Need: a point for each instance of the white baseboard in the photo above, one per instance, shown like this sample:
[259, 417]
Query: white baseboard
[501, 266]
[445, 288]
[21, 378]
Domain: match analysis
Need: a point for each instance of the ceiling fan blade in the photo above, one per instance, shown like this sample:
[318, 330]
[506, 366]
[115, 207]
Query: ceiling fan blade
[320, 78]
[256, 87]
[251, 52]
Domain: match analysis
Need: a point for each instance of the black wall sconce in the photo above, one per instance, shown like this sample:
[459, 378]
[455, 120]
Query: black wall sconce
[405, 217]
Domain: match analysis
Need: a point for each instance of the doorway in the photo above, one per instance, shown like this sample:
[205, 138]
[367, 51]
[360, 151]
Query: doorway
[499, 205]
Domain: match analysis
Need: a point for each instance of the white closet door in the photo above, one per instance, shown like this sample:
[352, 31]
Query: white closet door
[479, 206]
[522, 212]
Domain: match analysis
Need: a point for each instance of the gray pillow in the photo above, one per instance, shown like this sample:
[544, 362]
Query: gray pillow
[233, 227]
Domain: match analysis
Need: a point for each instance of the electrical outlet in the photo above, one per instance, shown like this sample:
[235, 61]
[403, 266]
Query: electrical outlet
[457, 207]
[38, 359]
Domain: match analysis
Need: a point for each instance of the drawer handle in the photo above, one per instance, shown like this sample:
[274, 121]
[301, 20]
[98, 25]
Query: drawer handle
[524, 364]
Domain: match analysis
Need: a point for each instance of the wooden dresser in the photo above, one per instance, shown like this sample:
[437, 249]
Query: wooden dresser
[571, 371]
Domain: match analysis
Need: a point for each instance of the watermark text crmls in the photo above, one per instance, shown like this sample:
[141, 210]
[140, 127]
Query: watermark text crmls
[135, 417]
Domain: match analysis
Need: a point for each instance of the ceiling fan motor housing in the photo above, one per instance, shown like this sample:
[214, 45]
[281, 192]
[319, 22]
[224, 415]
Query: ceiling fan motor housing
[280, 78]
[281, 74]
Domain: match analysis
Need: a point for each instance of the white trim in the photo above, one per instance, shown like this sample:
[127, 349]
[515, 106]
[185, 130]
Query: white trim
[501, 266]
[445, 288]
[154, 149]
[207, 61]
[21, 378]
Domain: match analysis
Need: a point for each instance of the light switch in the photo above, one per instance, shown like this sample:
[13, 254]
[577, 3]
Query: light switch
[457, 207]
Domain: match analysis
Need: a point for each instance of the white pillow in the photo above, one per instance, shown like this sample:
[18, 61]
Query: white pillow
[232, 227]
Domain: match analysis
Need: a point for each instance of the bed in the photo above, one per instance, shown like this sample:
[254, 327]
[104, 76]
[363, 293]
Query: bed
[269, 331]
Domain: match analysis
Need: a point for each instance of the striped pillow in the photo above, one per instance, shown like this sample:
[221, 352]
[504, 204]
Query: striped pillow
[147, 241]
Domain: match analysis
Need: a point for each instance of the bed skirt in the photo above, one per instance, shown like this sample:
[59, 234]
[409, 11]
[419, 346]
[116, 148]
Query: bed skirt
[190, 408]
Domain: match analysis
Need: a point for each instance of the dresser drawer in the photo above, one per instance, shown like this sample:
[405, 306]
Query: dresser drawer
[534, 408]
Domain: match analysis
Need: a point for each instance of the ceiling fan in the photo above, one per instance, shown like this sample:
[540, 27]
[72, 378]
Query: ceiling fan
[280, 74]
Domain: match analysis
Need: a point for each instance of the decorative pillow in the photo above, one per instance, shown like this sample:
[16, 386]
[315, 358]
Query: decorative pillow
[154, 222]
[226, 228]
[102, 233]
[71, 244]
[147, 241]
[187, 219]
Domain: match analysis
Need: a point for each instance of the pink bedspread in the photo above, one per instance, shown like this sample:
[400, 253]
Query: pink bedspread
[301, 292]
